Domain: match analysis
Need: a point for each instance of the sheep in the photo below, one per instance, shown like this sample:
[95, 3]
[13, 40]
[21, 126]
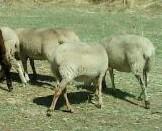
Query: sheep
[11, 43]
[5, 64]
[33, 40]
[131, 53]
[80, 62]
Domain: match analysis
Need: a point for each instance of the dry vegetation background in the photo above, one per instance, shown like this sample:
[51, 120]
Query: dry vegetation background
[108, 3]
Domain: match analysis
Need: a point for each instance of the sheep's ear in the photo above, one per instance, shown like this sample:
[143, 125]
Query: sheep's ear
[60, 42]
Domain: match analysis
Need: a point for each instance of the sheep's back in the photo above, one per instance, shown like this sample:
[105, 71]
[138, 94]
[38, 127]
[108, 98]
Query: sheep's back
[67, 35]
[85, 59]
[38, 42]
[125, 49]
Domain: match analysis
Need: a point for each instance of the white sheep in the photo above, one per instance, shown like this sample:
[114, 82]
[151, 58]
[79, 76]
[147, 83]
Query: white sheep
[34, 40]
[11, 43]
[131, 53]
[80, 62]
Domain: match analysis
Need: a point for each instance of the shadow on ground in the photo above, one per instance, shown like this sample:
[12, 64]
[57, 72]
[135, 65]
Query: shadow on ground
[117, 93]
[74, 98]
[40, 80]
[3, 88]
[122, 95]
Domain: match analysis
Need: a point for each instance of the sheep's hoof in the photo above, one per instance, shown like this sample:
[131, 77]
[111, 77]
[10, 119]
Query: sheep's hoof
[49, 112]
[27, 79]
[147, 104]
[24, 85]
[99, 106]
[10, 88]
[94, 99]
[71, 110]
[140, 98]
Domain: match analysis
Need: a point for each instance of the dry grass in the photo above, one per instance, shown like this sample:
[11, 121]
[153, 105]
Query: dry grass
[108, 3]
[25, 108]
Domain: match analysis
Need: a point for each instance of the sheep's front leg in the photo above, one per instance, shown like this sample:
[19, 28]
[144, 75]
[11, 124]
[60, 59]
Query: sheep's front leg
[24, 63]
[33, 68]
[16, 64]
[100, 103]
[111, 72]
[21, 75]
[8, 78]
[6, 66]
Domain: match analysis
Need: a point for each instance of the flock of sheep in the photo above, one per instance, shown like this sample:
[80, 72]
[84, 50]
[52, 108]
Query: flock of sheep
[71, 59]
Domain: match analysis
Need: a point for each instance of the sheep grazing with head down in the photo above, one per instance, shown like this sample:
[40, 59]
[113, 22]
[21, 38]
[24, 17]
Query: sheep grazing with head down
[131, 53]
[33, 43]
[80, 62]
[11, 44]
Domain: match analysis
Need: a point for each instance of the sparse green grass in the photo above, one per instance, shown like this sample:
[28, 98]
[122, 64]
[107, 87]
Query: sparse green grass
[25, 108]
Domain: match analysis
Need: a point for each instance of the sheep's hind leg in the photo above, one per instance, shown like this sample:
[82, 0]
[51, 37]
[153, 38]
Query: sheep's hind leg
[140, 97]
[33, 68]
[95, 96]
[67, 102]
[58, 91]
[111, 72]
[145, 77]
[24, 62]
[100, 79]
[144, 91]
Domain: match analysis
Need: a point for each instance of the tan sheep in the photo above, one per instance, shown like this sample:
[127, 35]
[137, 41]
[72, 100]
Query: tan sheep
[80, 62]
[11, 43]
[35, 43]
[131, 53]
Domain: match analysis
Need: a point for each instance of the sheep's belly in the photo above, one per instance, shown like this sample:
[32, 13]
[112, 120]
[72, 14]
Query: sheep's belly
[121, 67]
[35, 55]
[85, 78]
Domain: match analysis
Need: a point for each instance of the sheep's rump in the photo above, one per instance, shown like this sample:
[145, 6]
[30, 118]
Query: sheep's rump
[80, 60]
[125, 50]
